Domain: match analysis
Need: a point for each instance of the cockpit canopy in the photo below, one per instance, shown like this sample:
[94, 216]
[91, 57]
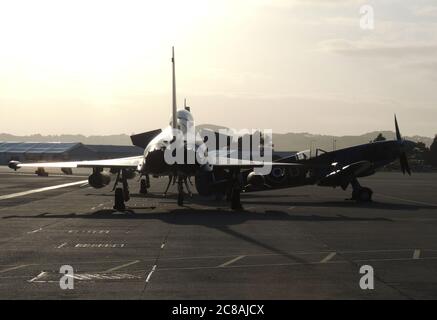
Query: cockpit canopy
[307, 154]
[184, 120]
[303, 155]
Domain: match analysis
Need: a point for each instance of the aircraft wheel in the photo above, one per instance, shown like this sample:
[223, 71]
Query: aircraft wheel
[355, 194]
[365, 195]
[143, 186]
[147, 181]
[119, 200]
[235, 200]
[180, 199]
[126, 195]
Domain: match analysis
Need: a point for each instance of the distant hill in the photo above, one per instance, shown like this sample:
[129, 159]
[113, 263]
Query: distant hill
[282, 142]
[116, 139]
[302, 141]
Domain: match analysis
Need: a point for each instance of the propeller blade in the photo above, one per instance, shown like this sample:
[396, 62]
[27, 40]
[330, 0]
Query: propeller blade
[404, 163]
[398, 133]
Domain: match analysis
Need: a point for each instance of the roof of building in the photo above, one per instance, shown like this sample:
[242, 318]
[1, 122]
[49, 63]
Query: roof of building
[112, 148]
[37, 147]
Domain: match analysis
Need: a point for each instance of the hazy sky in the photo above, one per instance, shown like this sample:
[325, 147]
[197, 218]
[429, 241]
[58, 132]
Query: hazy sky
[103, 67]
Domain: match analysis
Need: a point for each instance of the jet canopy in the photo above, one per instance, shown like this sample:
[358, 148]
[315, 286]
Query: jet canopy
[184, 119]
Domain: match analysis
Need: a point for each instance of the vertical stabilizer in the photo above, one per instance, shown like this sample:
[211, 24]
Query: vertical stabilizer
[174, 111]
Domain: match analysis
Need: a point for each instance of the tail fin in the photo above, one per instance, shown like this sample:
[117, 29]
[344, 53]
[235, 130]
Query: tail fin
[174, 111]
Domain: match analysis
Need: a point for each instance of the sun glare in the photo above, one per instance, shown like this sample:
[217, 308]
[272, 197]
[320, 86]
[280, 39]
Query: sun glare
[91, 43]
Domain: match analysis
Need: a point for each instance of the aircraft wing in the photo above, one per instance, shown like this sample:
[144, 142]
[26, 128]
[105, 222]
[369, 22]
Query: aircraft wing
[133, 162]
[120, 163]
[226, 162]
[356, 169]
[342, 177]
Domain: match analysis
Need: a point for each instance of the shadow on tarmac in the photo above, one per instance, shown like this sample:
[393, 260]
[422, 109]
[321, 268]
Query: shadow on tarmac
[219, 219]
[349, 204]
[203, 217]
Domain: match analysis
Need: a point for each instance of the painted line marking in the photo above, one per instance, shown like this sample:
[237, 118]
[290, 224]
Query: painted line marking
[328, 257]
[98, 206]
[62, 245]
[416, 254]
[408, 200]
[34, 231]
[150, 273]
[42, 274]
[24, 193]
[89, 231]
[99, 245]
[296, 264]
[103, 276]
[122, 266]
[231, 261]
[14, 268]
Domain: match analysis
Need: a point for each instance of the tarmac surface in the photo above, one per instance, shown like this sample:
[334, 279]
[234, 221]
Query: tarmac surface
[300, 243]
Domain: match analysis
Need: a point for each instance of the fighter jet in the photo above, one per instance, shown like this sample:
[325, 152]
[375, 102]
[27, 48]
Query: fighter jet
[339, 168]
[159, 145]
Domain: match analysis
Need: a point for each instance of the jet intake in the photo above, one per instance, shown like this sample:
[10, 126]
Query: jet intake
[13, 164]
[255, 180]
[99, 180]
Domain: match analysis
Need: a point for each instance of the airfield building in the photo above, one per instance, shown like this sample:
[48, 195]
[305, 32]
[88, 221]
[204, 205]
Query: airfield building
[52, 151]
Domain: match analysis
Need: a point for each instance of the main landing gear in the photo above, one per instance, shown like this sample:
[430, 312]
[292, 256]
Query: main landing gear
[235, 190]
[360, 193]
[121, 194]
[144, 184]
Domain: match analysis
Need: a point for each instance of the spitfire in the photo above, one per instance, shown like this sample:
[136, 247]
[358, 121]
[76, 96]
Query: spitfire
[339, 168]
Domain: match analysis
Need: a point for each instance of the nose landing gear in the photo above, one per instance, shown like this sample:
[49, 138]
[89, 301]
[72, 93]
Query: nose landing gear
[181, 181]
[180, 191]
